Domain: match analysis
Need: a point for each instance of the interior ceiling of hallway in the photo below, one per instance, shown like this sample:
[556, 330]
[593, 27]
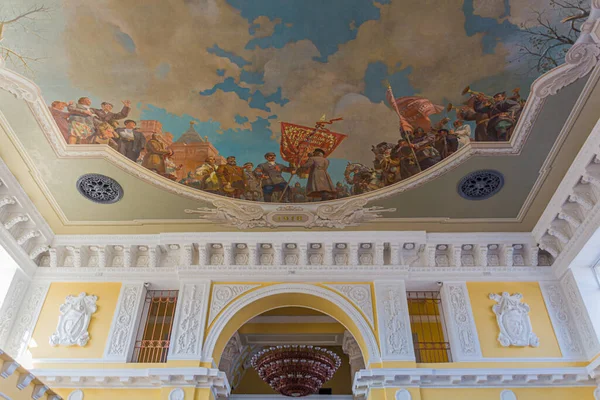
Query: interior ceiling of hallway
[237, 69]
[288, 326]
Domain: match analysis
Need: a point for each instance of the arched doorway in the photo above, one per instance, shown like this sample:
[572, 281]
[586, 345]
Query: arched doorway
[289, 326]
[267, 298]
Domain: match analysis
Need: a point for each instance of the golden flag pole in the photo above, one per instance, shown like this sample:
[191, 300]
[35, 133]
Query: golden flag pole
[403, 133]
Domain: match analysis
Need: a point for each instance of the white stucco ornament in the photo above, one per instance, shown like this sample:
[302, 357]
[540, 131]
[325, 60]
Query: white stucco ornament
[177, 394]
[513, 320]
[76, 395]
[76, 313]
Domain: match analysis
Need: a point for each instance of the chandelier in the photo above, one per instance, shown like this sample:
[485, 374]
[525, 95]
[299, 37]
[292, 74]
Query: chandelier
[295, 370]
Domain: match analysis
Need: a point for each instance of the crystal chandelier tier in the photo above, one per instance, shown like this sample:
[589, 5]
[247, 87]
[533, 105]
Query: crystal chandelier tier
[295, 370]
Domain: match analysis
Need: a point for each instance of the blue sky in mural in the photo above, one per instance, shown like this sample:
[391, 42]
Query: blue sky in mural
[325, 23]
[328, 24]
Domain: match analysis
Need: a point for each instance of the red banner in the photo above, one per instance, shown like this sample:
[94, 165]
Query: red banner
[298, 141]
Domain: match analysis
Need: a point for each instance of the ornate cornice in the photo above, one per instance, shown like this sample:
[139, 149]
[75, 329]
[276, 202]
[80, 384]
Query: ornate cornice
[351, 255]
[573, 213]
[23, 231]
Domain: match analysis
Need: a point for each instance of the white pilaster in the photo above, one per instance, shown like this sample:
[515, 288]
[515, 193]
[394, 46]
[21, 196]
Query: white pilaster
[9, 311]
[574, 289]
[25, 322]
[460, 324]
[562, 320]
[393, 321]
[121, 338]
[190, 318]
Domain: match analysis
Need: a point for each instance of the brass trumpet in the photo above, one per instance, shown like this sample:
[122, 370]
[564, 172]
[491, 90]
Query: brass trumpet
[451, 107]
[474, 93]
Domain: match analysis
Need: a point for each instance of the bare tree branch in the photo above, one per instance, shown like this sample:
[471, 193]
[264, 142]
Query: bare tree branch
[34, 10]
[546, 40]
[9, 53]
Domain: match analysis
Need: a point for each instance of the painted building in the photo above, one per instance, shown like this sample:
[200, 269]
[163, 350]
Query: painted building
[191, 150]
[457, 261]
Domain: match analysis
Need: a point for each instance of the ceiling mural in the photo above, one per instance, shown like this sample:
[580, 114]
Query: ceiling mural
[293, 102]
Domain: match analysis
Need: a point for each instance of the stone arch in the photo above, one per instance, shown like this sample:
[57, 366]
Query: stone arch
[270, 297]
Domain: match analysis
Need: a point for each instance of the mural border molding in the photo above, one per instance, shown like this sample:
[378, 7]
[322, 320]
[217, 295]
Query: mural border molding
[580, 60]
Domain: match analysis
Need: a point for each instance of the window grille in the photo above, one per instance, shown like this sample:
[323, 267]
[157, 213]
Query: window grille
[430, 338]
[154, 332]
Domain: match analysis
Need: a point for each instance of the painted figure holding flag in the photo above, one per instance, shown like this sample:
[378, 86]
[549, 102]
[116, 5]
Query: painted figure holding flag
[320, 185]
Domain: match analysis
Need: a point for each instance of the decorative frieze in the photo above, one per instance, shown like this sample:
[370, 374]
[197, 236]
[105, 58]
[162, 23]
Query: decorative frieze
[121, 337]
[76, 314]
[513, 320]
[393, 321]
[190, 317]
[460, 323]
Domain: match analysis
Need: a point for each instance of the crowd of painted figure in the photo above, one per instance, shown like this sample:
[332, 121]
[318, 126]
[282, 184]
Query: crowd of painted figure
[266, 182]
[83, 124]
[494, 117]
[418, 149]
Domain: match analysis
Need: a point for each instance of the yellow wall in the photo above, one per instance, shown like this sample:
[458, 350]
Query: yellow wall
[487, 327]
[108, 295]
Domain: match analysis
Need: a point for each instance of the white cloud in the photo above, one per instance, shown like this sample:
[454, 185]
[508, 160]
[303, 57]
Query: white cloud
[410, 33]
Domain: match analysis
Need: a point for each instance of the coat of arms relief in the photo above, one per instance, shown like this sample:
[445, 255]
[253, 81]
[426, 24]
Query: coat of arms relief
[76, 314]
[513, 320]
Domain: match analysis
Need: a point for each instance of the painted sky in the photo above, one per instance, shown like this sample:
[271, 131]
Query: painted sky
[238, 67]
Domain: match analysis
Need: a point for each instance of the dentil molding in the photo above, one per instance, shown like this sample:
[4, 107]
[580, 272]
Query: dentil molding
[513, 320]
[76, 314]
